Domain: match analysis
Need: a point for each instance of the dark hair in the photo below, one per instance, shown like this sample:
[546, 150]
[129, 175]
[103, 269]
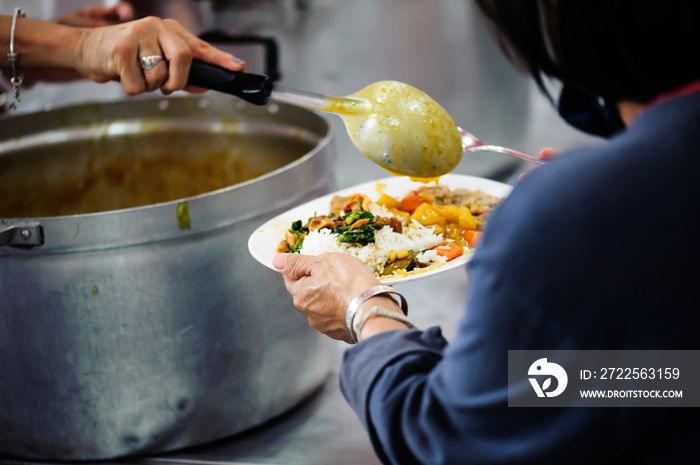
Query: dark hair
[616, 49]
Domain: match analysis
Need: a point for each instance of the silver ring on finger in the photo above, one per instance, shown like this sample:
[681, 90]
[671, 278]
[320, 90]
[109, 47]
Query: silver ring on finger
[150, 62]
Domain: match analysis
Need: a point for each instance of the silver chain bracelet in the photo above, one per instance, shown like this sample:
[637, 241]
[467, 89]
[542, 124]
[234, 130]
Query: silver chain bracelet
[357, 302]
[13, 58]
[359, 323]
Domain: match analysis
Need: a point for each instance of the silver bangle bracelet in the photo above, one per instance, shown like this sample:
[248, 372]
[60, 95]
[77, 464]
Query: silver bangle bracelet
[357, 302]
[359, 324]
[13, 58]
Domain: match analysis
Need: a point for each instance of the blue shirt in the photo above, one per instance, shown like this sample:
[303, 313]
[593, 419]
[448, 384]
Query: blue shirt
[598, 249]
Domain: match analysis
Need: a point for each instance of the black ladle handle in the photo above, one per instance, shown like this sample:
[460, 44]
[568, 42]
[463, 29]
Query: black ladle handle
[253, 88]
[270, 48]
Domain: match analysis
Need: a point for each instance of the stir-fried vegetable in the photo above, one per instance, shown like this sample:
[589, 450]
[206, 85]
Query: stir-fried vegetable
[352, 233]
[299, 232]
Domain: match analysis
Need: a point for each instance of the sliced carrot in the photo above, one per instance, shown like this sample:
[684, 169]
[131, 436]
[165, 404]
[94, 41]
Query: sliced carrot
[410, 203]
[359, 223]
[472, 237]
[449, 251]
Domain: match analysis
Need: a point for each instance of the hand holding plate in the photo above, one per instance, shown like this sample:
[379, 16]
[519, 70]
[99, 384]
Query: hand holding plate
[323, 286]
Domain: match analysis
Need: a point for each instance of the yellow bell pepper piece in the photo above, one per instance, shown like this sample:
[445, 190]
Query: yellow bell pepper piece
[388, 201]
[449, 212]
[427, 216]
[466, 219]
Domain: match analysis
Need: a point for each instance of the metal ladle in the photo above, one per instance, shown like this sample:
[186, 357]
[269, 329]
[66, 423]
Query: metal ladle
[395, 125]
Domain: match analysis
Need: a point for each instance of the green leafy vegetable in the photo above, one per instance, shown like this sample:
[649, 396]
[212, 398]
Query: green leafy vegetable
[363, 235]
[353, 216]
[299, 231]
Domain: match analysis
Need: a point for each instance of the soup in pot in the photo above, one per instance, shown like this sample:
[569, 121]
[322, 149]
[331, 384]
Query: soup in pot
[133, 170]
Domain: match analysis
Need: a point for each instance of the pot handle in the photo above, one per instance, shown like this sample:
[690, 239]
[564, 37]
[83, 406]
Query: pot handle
[253, 88]
[22, 236]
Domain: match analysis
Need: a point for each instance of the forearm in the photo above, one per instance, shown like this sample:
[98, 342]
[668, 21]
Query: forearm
[40, 44]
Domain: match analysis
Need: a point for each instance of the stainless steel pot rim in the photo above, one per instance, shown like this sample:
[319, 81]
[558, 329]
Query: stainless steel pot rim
[207, 211]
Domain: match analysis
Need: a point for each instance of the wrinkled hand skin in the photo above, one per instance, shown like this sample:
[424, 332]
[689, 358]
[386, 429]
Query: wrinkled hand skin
[323, 286]
[113, 52]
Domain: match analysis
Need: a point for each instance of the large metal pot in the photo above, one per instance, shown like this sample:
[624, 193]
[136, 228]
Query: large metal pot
[149, 328]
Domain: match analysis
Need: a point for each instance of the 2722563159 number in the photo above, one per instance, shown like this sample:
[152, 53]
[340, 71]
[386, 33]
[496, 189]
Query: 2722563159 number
[639, 373]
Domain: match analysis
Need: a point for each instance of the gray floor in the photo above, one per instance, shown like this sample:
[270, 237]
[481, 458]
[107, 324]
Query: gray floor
[337, 47]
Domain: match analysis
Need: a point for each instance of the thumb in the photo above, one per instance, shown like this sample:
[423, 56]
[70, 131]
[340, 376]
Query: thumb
[124, 11]
[293, 266]
[279, 261]
[119, 13]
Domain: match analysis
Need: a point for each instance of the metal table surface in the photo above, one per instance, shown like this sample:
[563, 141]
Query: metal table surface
[338, 47]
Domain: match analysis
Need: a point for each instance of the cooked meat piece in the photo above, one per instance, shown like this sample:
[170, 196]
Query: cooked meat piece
[393, 223]
[320, 222]
[354, 203]
[290, 239]
[477, 201]
[337, 203]
[283, 247]
[442, 193]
